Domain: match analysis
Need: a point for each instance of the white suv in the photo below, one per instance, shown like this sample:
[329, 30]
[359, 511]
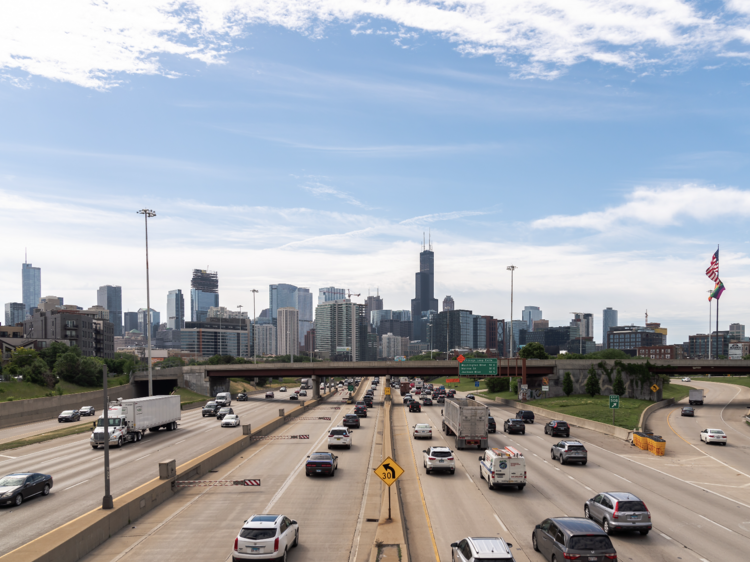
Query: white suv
[439, 458]
[266, 537]
[340, 437]
[475, 549]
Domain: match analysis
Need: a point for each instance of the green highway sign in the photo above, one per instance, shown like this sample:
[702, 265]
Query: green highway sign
[614, 401]
[351, 388]
[477, 366]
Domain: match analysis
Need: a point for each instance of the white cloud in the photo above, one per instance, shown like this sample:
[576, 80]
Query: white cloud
[97, 44]
[660, 207]
[322, 190]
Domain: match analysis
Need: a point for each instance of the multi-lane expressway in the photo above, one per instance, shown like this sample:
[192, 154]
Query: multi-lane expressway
[698, 495]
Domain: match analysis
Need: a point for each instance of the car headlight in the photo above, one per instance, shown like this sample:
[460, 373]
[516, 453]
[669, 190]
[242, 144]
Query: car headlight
[7, 494]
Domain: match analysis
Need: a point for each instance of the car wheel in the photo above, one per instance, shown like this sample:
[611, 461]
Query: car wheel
[533, 542]
[567, 435]
[552, 455]
[453, 471]
[119, 442]
[94, 446]
[283, 558]
[644, 532]
[554, 558]
[428, 471]
[586, 512]
[606, 527]
[45, 492]
[562, 460]
[523, 432]
[724, 444]
[583, 463]
[18, 500]
[490, 485]
[307, 474]
[329, 447]
[296, 539]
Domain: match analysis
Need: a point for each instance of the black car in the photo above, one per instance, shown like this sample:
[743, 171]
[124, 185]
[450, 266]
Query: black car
[87, 411]
[226, 410]
[20, 486]
[514, 425]
[526, 415]
[368, 401]
[557, 427]
[688, 411]
[351, 420]
[293, 396]
[242, 397]
[369, 392]
[321, 463]
[471, 397]
[69, 416]
[572, 538]
[491, 425]
[441, 399]
[414, 406]
[426, 401]
[361, 411]
[211, 409]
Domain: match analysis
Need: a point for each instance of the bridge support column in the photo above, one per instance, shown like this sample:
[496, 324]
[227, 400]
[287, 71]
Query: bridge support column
[316, 387]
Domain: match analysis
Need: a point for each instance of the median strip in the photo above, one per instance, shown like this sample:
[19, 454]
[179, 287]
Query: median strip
[42, 437]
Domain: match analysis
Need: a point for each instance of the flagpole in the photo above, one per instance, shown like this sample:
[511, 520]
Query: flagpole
[709, 325]
[717, 309]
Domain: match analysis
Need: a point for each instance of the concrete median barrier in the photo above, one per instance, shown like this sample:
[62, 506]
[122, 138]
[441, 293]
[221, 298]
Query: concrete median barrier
[76, 539]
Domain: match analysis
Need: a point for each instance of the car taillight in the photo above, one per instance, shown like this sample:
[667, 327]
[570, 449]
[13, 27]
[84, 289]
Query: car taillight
[450, 458]
[610, 556]
[524, 475]
[493, 473]
[571, 556]
[276, 544]
[236, 542]
[648, 513]
[617, 506]
[431, 458]
[331, 435]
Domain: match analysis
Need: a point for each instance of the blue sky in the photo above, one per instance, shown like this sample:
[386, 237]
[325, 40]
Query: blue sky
[602, 147]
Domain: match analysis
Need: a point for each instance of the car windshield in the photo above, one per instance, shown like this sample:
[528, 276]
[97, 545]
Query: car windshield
[590, 542]
[257, 534]
[224, 410]
[231, 417]
[113, 422]
[12, 480]
[441, 454]
[631, 506]
[210, 405]
[67, 413]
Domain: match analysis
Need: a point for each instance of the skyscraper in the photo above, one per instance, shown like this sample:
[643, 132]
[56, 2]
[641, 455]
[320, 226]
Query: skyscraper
[204, 293]
[341, 325]
[175, 310]
[281, 295]
[585, 323]
[327, 294]
[110, 297]
[15, 312]
[31, 280]
[529, 314]
[373, 303]
[287, 334]
[143, 322]
[130, 322]
[424, 299]
[609, 320]
[303, 303]
[448, 303]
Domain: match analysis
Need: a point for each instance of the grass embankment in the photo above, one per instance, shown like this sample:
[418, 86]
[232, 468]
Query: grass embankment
[20, 390]
[64, 432]
[187, 396]
[741, 381]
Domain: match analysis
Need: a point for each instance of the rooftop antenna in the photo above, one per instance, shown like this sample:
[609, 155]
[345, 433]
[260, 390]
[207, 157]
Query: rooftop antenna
[429, 232]
[647, 316]
[423, 240]
[25, 255]
[378, 291]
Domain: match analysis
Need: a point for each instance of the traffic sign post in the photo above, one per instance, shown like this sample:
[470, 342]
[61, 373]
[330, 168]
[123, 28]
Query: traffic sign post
[476, 384]
[614, 404]
[389, 471]
[387, 390]
[474, 366]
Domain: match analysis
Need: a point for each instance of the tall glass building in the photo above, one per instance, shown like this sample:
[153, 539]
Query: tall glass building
[175, 310]
[204, 293]
[15, 312]
[609, 320]
[110, 297]
[131, 321]
[31, 279]
[327, 294]
[424, 297]
[143, 321]
[529, 314]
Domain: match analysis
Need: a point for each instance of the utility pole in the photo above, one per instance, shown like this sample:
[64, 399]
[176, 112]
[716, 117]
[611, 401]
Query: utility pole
[148, 213]
[511, 268]
[253, 291]
[107, 502]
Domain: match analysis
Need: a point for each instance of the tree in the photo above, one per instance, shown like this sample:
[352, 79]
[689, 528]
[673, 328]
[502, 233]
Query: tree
[90, 372]
[568, 384]
[67, 367]
[55, 350]
[618, 387]
[533, 350]
[171, 362]
[514, 386]
[497, 384]
[22, 357]
[39, 373]
[592, 383]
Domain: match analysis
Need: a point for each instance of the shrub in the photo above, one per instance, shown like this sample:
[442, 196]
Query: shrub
[592, 384]
[514, 386]
[497, 384]
[567, 384]
[619, 385]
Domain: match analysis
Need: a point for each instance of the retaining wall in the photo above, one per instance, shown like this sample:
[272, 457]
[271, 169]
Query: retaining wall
[20, 412]
[76, 539]
[651, 409]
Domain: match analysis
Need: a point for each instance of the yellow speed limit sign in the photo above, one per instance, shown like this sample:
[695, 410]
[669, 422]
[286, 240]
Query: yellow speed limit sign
[387, 390]
[654, 388]
[389, 471]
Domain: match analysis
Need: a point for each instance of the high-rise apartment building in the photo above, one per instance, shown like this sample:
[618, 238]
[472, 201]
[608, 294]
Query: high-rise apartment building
[737, 332]
[110, 297]
[341, 325]
[15, 312]
[143, 321]
[377, 316]
[371, 304]
[328, 294]
[175, 310]
[529, 314]
[585, 323]
[92, 335]
[265, 339]
[204, 293]
[31, 280]
[130, 321]
[609, 320]
[304, 304]
[392, 346]
[224, 312]
[448, 303]
[539, 325]
[424, 299]
[217, 337]
[517, 326]
[287, 334]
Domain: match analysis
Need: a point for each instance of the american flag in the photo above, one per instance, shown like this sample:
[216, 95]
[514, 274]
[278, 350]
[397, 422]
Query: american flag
[713, 270]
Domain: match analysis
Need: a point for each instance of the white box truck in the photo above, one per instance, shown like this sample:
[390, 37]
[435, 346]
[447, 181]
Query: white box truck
[467, 420]
[130, 419]
[696, 396]
[503, 467]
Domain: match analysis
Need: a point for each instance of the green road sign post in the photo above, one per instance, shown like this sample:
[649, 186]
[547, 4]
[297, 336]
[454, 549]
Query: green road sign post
[474, 366]
[351, 388]
[614, 403]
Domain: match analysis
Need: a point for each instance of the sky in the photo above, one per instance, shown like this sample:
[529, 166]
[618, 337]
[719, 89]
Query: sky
[599, 146]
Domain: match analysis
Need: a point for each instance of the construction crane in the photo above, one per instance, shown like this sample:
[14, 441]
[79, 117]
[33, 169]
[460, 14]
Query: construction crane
[349, 294]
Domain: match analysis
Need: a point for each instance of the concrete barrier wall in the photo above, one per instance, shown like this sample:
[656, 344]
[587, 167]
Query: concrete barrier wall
[20, 412]
[76, 539]
[651, 409]
[619, 432]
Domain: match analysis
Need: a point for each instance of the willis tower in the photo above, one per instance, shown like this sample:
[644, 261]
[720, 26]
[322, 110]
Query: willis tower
[425, 293]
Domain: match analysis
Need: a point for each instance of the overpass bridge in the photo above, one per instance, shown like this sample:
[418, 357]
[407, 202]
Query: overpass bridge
[210, 379]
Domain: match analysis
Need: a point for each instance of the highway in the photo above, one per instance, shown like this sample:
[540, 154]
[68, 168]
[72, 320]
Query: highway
[77, 469]
[201, 523]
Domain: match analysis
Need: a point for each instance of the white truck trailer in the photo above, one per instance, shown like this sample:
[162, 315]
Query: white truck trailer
[467, 420]
[130, 419]
[696, 396]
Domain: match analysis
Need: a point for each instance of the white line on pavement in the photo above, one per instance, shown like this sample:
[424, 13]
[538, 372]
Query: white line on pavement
[501, 523]
[665, 536]
[143, 457]
[178, 441]
[74, 485]
[7, 457]
[537, 456]
[542, 438]
[715, 523]
[626, 480]
[469, 477]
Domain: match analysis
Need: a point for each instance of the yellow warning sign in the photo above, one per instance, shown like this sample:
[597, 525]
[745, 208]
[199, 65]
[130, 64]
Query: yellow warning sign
[545, 381]
[389, 471]
[387, 390]
[654, 388]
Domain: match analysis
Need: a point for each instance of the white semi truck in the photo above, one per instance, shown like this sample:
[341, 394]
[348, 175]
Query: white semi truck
[467, 420]
[130, 419]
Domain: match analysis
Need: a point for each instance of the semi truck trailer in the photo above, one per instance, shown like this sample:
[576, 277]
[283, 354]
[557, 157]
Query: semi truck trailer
[467, 420]
[130, 419]
[696, 396]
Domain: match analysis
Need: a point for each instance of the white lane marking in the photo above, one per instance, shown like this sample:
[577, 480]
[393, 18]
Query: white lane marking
[542, 438]
[665, 536]
[178, 442]
[537, 456]
[545, 462]
[143, 457]
[721, 414]
[501, 523]
[74, 485]
[626, 480]
[469, 477]
[589, 489]
[554, 467]
[7, 457]
[715, 523]
[571, 477]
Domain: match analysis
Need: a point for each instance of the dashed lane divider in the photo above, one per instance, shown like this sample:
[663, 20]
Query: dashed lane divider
[320, 418]
[196, 483]
[277, 437]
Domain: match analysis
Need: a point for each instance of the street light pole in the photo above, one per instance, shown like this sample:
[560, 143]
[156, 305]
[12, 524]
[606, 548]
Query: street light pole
[253, 291]
[511, 268]
[107, 502]
[148, 213]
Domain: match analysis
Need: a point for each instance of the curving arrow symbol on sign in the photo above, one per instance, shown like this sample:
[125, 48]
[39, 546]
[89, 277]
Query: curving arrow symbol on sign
[389, 472]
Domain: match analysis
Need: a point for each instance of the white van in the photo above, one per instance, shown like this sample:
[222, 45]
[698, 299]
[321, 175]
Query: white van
[224, 398]
[503, 467]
